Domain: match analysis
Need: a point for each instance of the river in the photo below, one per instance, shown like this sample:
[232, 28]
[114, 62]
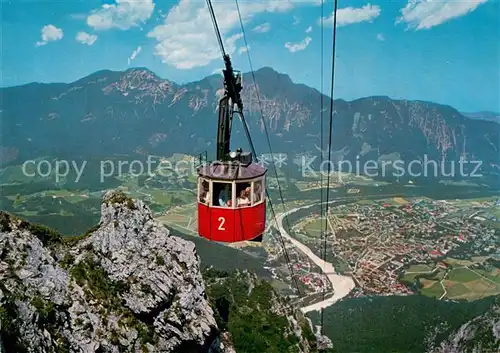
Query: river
[342, 285]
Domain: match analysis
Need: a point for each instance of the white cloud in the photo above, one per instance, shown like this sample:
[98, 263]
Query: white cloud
[424, 14]
[263, 28]
[309, 29]
[50, 33]
[380, 37]
[187, 39]
[123, 15]
[294, 47]
[134, 54]
[86, 38]
[243, 50]
[351, 15]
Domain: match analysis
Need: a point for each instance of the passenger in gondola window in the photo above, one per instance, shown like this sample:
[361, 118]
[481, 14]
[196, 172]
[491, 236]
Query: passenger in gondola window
[206, 197]
[205, 193]
[248, 193]
[225, 195]
[257, 191]
[243, 200]
[242, 193]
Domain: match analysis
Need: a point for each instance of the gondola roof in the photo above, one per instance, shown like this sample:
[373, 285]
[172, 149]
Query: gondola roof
[231, 171]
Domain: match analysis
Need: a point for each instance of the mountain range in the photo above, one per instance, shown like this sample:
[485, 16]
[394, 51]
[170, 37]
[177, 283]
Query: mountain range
[137, 112]
[489, 116]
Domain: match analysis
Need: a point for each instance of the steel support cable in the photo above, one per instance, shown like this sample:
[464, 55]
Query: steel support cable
[214, 21]
[216, 27]
[287, 258]
[321, 144]
[329, 141]
[262, 112]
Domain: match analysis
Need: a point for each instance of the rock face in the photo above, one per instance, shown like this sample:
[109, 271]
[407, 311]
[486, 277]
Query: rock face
[127, 286]
[480, 335]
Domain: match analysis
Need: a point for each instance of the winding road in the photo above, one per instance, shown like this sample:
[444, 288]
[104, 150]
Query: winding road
[341, 285]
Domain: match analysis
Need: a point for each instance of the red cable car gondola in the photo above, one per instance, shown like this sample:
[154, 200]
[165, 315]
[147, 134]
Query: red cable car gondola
[231, 190]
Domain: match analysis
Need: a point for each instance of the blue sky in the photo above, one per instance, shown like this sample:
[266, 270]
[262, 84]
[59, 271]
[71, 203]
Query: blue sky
[447, 51]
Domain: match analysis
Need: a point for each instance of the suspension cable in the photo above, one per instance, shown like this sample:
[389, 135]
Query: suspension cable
[216, 27]
[287, 258]
[334, 41]
[221, 44]
[261, 112]
[321, 144]
[283, 245]
[219, 38]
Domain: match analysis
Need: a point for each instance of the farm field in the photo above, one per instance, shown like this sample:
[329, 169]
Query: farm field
[432, 289]
[458, 282]
[420, 268]
[314, 227]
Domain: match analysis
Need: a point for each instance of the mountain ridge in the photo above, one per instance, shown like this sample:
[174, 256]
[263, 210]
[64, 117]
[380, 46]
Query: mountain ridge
[137, 112]
[264, 69]
[483, 115]
[261, 70]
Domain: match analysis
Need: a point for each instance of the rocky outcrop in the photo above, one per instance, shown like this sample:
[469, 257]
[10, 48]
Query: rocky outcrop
[480, 335]
[126, 286]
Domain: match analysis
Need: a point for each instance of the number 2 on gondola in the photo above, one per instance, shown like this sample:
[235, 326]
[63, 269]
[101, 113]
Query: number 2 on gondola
[222, 220]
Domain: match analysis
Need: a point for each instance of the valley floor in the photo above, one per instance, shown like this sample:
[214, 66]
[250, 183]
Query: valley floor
[342, 285]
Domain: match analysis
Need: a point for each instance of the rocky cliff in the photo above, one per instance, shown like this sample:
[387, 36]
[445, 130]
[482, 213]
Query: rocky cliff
[125, 286]
[480, 335]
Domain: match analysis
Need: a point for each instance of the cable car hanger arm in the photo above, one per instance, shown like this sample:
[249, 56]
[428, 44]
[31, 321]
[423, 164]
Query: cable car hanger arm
[232, 90]
[224, 129]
